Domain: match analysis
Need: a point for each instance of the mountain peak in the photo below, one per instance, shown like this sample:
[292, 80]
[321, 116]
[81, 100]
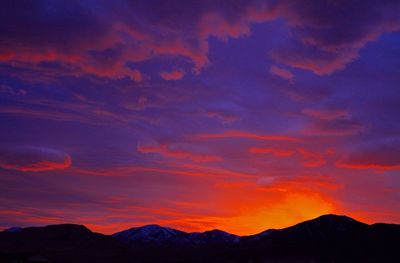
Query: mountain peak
[332, 220]
[66, 227]
[13, 229]
[148, 234]
[209, 237]
[334, 217]
[152, 227]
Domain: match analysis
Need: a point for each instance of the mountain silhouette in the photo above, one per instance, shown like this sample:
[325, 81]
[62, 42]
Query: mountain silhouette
[149, 234]
[63, 243]
[328, 238]
[158, 235]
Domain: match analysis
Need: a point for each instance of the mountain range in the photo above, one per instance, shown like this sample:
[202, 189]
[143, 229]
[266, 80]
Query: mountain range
[328, 238]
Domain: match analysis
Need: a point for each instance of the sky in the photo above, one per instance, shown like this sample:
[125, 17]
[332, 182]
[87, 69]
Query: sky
[236, 115]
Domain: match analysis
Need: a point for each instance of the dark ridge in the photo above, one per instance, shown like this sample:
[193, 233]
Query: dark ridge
[328, 238]
[13, 229]
[63, 243]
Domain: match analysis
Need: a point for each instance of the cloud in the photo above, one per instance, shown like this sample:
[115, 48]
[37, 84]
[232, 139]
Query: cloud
[98, 42]
[172, 75]
[327, 35]
[141, 103]
[34, 159]
[336, 127]
[331, 122]
[281, 72]
[311, 159]
[300, 182]
[223, 115]
[165, 150]
[106, 39]
[274, 151]
[312, 59]
[9, 90]
[376, 155]
[327, 114]
[245, 135]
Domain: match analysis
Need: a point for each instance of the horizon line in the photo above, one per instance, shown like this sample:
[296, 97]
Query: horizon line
[191, 232]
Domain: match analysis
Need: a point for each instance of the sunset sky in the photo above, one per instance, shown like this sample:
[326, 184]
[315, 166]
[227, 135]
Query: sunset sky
[236, 115]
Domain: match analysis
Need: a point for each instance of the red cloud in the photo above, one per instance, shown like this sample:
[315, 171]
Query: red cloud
[331, 122]
[283, 73]
[246, 135]
[181, 169]
[336, 127]
[312, 159]
[274, 151]
[166, 151]
[377, 156]
[39, 166]
[327, 114]
[35, 160]
[365, 164]
[312, 59]
[172, 75]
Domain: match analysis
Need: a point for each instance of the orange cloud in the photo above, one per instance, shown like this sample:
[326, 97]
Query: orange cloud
[304, 183]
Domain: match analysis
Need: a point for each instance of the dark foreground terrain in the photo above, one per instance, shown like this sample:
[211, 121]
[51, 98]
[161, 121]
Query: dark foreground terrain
[329, 238]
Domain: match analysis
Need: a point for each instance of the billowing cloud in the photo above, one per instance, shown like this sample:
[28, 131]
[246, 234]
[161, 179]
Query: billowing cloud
[327, 35]
[94, 41]
[34, 159]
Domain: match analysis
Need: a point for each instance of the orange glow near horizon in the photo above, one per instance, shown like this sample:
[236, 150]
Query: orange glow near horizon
[293, 209]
